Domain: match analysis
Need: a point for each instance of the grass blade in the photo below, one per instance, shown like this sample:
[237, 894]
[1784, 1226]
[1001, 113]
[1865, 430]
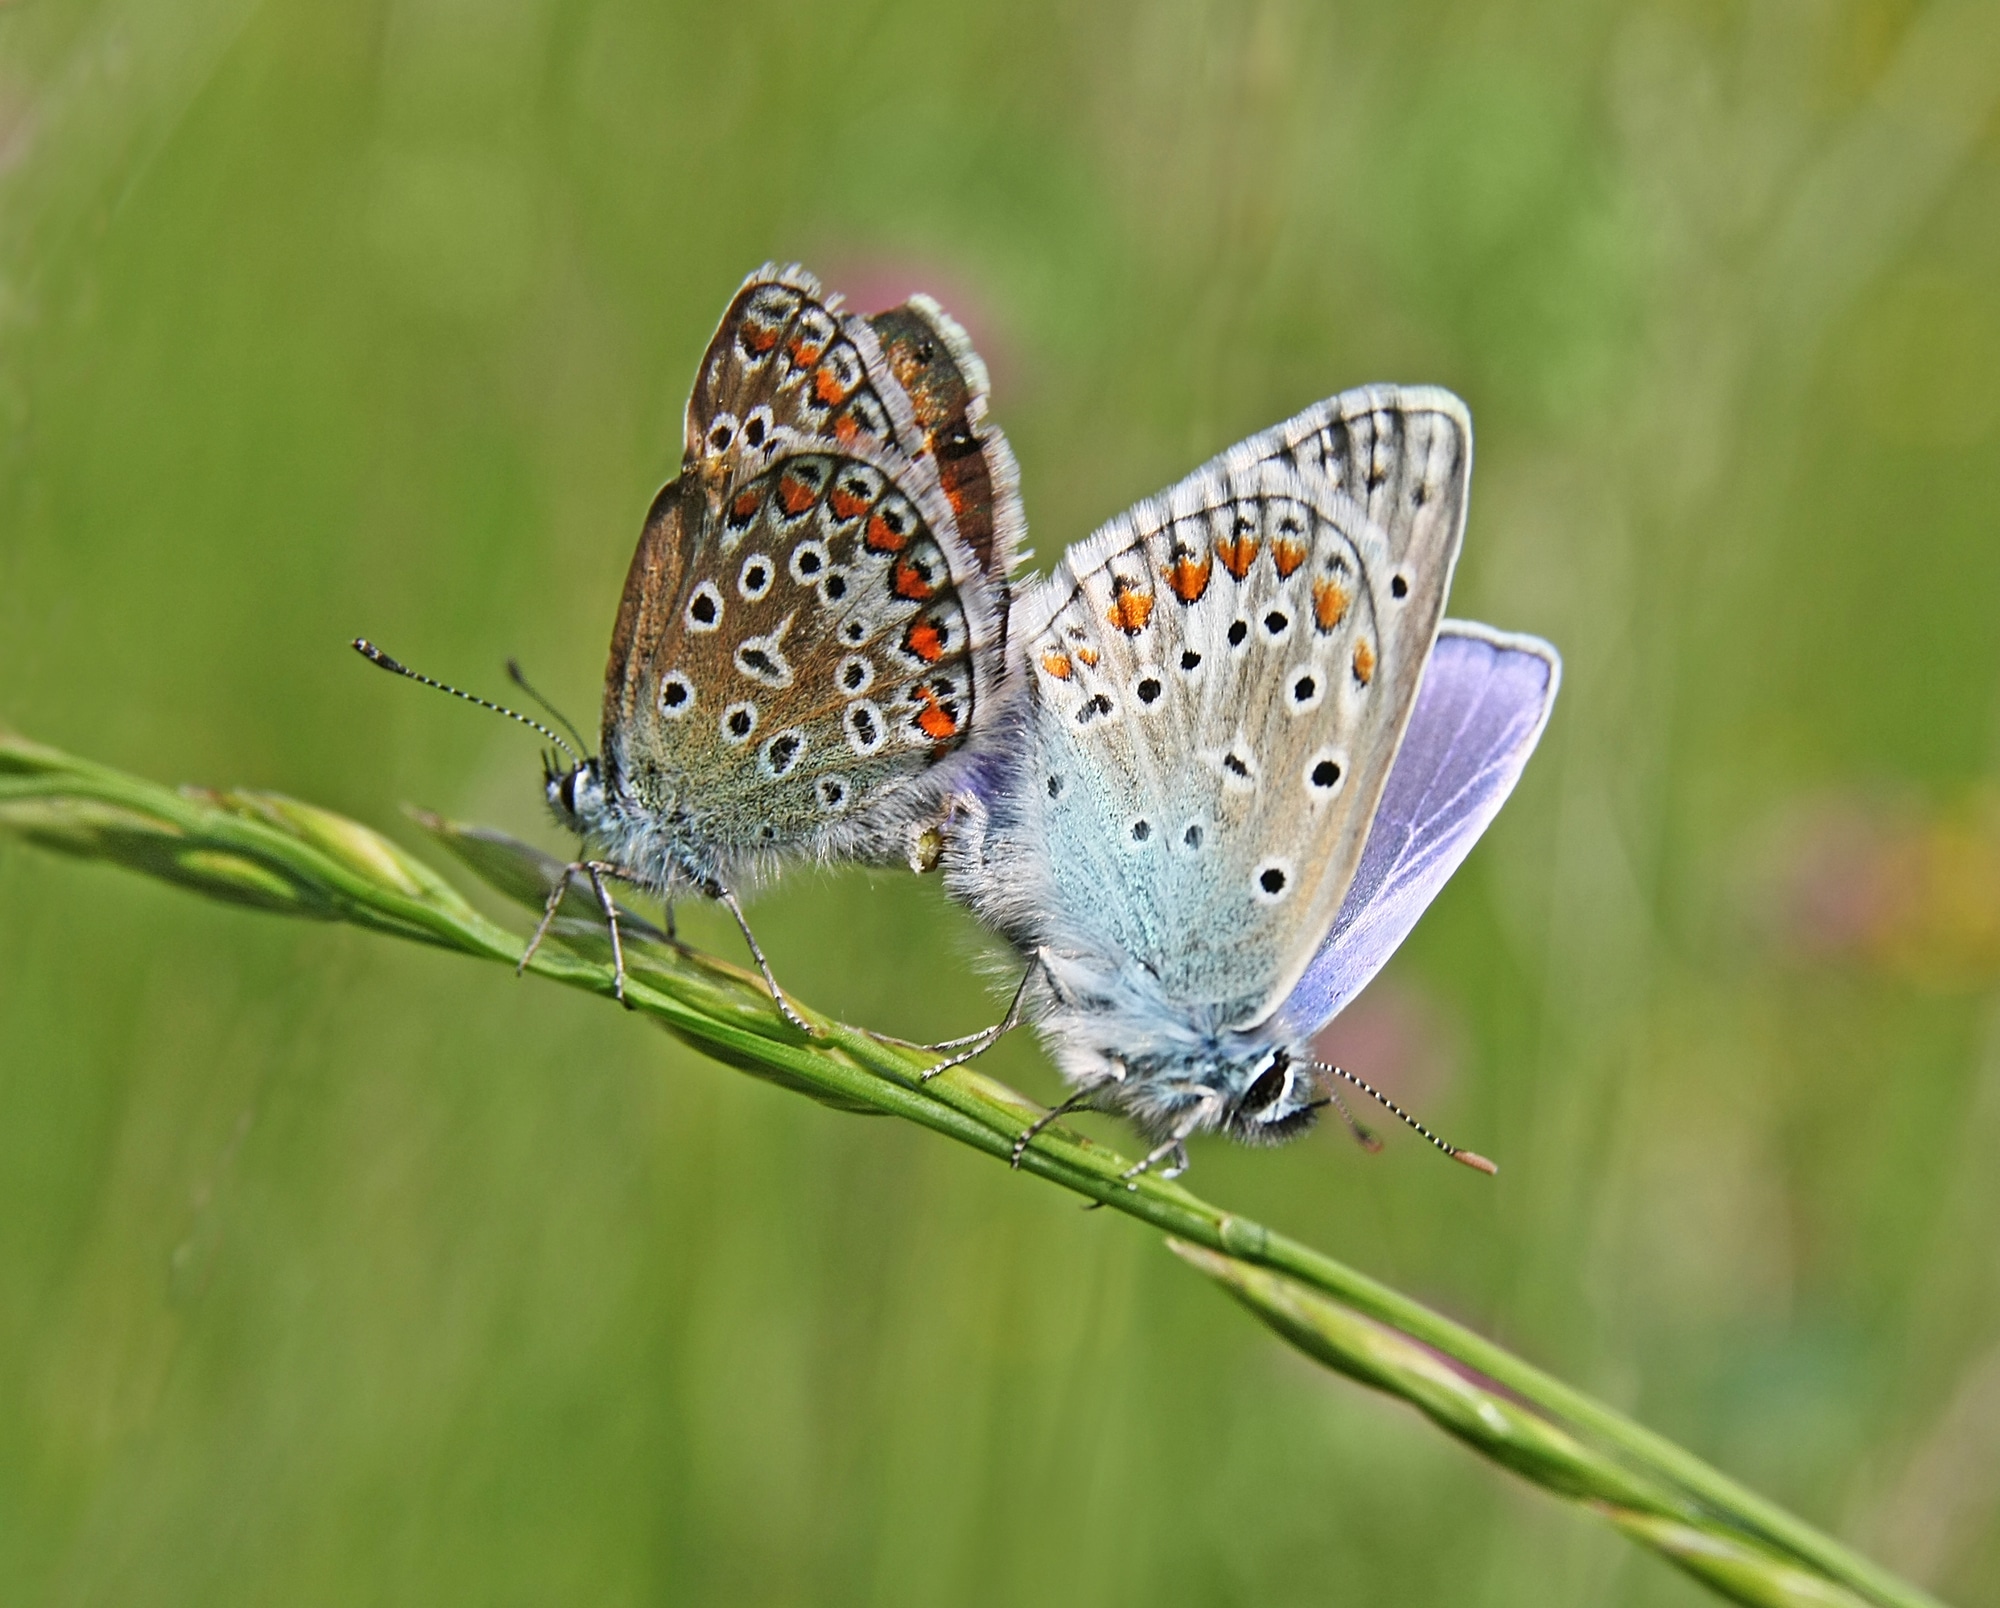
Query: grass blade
[285, 857]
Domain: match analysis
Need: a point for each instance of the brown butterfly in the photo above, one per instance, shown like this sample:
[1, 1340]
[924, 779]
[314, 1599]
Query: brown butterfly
[810, 646]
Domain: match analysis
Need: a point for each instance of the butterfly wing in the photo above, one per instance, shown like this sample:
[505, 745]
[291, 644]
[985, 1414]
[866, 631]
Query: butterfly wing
[1221, 677]
[805, 634]
[906, 380]
[945, 381]
[786, 356]
[1485, 698]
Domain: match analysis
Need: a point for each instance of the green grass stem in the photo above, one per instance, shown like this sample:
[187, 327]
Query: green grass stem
[281, 856]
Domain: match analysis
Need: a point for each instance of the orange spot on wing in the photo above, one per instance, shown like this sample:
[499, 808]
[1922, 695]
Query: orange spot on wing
[1364, 662]
[883, 538]
[1288, 556]
[845, 504]
[804, 353]
[759, 338]
[796, 495]
[1236, 553]
[845, 429]
[923, 640]
[1188, 578]
[1330, 601]
[912, 585]
[1130, 609]
[1087, 655]
[827, 387]
[936, 722]
[745, 505]
[1057, 665]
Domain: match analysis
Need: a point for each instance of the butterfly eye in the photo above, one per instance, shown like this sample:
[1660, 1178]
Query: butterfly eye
[1270, 1085]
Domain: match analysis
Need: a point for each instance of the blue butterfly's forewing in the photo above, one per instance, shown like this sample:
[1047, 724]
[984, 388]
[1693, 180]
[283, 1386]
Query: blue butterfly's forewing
[1484, 700]
[1217, 683]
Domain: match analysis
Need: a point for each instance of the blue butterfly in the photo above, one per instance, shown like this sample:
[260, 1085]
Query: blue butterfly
[1245, 752]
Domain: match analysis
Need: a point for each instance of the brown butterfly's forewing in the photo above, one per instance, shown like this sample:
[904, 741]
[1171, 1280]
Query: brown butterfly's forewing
[807, 636]
[652, 586]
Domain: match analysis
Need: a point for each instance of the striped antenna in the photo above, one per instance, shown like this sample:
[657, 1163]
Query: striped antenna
[375, 655]
[519, 677]
[1470, 1158]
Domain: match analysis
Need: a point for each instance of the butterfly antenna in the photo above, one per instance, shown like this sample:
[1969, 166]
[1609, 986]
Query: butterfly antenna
[519, 677]
[1470, 1158]
[375, 655]
[1365, 1137]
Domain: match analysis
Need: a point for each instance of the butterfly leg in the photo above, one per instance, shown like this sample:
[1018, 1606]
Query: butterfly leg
[985, 1038]
[1173, 1149]
[556, 892]
[724, 897]
[596, 870]
[1079, 1101]
[1364, 1136]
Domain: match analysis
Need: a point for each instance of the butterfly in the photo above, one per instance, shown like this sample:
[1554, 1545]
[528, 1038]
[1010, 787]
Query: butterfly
[1248, 753]
[810, 641]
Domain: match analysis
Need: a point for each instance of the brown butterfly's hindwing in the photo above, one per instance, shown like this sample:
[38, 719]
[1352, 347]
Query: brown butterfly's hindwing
[934, 362]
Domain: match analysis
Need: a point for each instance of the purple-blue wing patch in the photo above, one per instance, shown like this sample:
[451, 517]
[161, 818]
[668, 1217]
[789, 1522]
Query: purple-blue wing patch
[1484, 700]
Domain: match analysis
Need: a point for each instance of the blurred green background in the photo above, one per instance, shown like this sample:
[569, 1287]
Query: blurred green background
[333, 1270]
